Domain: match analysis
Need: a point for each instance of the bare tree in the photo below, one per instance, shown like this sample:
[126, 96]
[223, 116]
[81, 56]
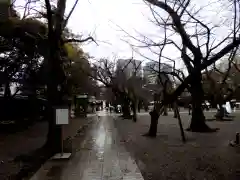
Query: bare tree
[124, 86]
[183, 29]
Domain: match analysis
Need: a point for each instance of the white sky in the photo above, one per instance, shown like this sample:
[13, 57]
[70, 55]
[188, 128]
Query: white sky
[101, 18]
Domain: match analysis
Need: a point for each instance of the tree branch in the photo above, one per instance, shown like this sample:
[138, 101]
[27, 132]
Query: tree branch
[49, 17]
[179, 26]
[79, 40]
[70, 13]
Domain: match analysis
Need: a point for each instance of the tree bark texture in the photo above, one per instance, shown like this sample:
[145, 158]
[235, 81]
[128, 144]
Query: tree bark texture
[154, 123]
[198, 123]
[126, 107]
[56, 76]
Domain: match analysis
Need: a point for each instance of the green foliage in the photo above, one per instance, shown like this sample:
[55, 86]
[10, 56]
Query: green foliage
[77, 71]
[28, 39]
[34, 26]
[73, 52]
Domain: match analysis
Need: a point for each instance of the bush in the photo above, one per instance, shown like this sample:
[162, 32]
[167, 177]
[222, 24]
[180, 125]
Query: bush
[22, 109]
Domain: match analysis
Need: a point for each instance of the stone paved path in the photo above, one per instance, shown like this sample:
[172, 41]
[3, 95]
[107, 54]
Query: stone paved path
[101, 157]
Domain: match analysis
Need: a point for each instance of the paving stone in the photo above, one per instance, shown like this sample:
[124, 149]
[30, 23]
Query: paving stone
[100, 157]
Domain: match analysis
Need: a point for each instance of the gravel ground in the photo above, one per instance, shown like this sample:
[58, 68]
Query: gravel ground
[205, 156]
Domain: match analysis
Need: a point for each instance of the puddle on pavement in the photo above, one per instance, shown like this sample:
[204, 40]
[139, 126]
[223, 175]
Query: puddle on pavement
[101, 136]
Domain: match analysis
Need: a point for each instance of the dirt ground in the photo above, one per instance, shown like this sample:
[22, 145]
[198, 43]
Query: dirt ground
[18, 143]
[205, 156]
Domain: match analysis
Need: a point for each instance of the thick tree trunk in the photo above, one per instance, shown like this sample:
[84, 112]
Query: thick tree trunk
[154, 123]
[53, 142]
[155, 113]
[198, 120]
[165, 112]
[126, 110]
[198, 123]
[55, 78]
[54, 131]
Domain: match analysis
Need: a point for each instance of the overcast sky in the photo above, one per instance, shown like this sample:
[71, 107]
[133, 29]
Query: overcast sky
[102, 19]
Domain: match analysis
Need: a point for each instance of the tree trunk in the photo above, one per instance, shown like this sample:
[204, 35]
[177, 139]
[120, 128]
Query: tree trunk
[165, 112]
[54, 133]
[220, 112]
[139, 106]
[7, 90]
[175, 114]
[55, 78]
[198, 123]
[126, 109]
[134, 109]
[154, 123]
[155, 113]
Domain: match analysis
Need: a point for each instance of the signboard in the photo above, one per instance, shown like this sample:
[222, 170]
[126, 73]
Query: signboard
[62, 116]
[228, 108]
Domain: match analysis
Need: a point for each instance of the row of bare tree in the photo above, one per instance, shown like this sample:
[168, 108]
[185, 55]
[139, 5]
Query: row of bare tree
[182, 28]
[192, 36]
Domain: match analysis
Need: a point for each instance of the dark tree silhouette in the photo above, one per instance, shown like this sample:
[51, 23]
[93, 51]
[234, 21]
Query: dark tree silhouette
[197, 47]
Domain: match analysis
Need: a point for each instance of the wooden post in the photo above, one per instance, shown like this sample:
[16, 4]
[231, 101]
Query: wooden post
[237, 138]
[62, 138]
[62, 118]
[180, 123]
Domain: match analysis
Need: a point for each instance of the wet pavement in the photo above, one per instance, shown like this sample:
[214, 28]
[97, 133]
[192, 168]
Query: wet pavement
[101, 157]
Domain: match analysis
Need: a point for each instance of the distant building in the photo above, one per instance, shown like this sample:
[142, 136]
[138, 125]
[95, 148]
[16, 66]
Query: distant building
[130, 67]
[151, 71]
